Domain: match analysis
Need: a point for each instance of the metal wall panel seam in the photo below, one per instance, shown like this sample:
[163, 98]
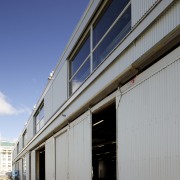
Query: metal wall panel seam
[124, 90]
[61, 131]
[101, 104]
[118, 97]
[79, 119]
[142, 9]
[89, 118]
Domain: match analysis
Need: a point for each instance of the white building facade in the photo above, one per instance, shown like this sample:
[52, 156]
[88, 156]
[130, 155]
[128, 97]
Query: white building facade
[6, 149]
[110, 109]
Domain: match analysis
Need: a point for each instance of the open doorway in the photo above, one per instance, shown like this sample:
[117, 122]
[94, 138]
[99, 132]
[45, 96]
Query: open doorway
[104, 144]
[41, 164]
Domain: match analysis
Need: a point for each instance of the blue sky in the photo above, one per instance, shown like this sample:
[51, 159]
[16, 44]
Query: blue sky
[33, 35]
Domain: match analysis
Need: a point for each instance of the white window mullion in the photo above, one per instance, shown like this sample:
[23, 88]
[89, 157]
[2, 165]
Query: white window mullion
[91, 49]
[79, 68]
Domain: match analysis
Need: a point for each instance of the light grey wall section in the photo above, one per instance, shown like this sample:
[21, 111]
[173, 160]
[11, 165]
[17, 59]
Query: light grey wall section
[144, 43]
[33, 165]
[164, 25]
[50, 159]
[80, 149]
[13, 167]
[150, 38]
[60, 87]
[30, 129]
[57, 93]
[140, 8]
[15, 151]
[17, 165]
[149, 126]
[20, 169]
[20, 143]
[62, 155]
[85, 19]
[48, 104]
[27, 166]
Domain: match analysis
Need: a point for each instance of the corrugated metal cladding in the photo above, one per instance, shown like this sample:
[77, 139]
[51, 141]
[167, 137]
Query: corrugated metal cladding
[149, 127]
[27, 169]
[62, 156]
[140, 8]
[50, 159]
[73, 151]
[160, 29]
[80, 151]
[33, 165]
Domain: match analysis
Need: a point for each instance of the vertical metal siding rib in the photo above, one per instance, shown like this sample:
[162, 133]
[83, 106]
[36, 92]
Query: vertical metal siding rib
[158, 31]
[140, 8]
[149, 128]
[62, 156]
[80, 151]
[49, 157]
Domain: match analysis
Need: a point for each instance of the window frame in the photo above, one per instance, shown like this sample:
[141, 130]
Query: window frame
[72, 56]
[89, 31]
[18, 148]
[25, 138]
[37, 113]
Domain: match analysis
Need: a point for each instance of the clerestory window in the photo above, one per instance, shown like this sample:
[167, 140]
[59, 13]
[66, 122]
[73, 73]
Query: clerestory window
[39, 117]
[107, 31]
[80, 65]
[24, 138]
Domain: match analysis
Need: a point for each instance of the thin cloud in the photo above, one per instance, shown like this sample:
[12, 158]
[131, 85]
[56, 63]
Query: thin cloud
[7, 109]
[13, 140]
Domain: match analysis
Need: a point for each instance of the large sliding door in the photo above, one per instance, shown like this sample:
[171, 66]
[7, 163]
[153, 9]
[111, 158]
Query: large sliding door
[62, 156]
[80, 149]
[33, 165]
[149, 123]
[50, 159]
[73, 150]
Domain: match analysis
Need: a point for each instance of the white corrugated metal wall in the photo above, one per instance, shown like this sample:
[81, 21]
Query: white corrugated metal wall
[164, 25]
[149, 127]
[80, 149]
[33, 165]
[73, 150]
[140, 8]
[50, 159]
[27, 166]
[62, 155]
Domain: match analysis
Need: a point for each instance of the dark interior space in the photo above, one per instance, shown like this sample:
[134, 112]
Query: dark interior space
[104, 144]
[42, 164]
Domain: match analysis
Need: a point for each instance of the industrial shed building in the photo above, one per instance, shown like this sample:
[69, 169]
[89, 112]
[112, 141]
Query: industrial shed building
[111, 108]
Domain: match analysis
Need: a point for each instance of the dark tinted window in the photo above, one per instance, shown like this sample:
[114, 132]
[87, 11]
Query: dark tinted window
[80, 56]
[80, 77]
[115, 35]
[106, 20]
